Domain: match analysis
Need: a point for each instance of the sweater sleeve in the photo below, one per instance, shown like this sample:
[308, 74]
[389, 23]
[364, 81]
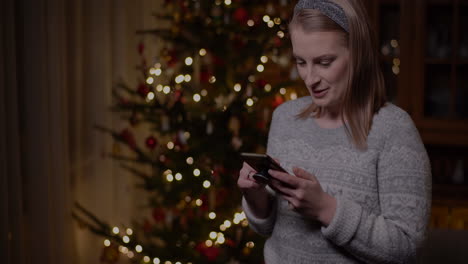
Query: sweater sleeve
[264, 226]
[404, 183]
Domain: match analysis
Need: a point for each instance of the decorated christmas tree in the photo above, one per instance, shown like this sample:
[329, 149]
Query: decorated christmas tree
[208, 95]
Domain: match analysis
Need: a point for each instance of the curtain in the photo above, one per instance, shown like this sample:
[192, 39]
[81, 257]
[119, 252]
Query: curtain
[59, 61]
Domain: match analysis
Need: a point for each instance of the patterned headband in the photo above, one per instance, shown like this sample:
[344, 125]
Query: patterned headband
[328, 8]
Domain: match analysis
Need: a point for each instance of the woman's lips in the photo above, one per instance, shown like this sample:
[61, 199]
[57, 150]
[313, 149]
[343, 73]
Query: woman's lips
[320, 93]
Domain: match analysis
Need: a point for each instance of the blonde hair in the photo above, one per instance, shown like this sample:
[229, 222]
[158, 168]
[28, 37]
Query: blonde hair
[365, 93]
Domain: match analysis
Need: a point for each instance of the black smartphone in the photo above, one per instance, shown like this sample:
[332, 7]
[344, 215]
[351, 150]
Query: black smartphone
[261, 163]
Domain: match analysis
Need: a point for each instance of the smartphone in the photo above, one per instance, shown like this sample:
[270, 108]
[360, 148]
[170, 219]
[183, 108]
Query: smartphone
[261, 163]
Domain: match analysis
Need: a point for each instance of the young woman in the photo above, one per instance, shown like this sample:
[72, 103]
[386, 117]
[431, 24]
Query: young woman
[359, 184]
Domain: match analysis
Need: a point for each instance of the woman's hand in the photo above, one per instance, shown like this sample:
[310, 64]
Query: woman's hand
[254, 192]
[304, 194]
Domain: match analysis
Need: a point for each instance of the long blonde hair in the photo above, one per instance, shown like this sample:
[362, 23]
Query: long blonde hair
[365, 93]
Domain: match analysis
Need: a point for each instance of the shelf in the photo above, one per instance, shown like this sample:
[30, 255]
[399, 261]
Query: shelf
[448, 194]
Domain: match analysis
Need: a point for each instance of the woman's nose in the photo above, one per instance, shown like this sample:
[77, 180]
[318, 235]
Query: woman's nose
[312, 78]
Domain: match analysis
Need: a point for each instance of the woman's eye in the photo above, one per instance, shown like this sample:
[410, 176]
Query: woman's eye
[300, 62]
[325, 63]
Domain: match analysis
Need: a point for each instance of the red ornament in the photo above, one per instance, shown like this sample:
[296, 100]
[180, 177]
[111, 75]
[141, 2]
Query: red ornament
[127, 136]
[159, 215]
[278, 100]
[241, 15]
[210, 253]
[143, 90]
[151, 142]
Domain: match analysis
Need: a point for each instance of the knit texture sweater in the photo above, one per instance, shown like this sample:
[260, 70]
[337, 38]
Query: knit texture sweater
[383, 193]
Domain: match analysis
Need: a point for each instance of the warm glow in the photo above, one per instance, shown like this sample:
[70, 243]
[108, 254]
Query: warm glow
[237, 87]
[187, 78]
[138, 248]
[199, 202]
[170, 145]
[150, 96]
[170, 178]
[277, 20]
[156, 261]
[204, 92]
[129, 231]
[206, 184]
[196, 172]
[180, 78]
[188, 61]
[115, 230]
[150, 80]
[212, 215]
[178, 176]
[250, 244]
[266, 18]
[158, 72]
[212, 79]
[166, 89]
[107, 242]
[220, 240]
[271, 24]
[227, 223]
[394, 43]
[260, 68]
[202, 52]
[189, 160]
[125, 239]
[267, 87]
[196, 97]
[283, 91]
[146, 259]
[213, 235]
[227, 2]
[130, 254]
[249, 102]
[209, 243]
[250, 23]
[293, 96]
[280, 34]
[264, 59]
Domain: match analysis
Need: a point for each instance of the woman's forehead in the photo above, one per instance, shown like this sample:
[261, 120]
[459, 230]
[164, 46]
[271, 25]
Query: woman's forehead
[317, 43]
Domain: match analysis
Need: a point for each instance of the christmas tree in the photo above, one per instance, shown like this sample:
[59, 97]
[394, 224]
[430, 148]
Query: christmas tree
[207, 96]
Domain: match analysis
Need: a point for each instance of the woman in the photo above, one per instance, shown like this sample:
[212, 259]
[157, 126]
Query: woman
[359, 184]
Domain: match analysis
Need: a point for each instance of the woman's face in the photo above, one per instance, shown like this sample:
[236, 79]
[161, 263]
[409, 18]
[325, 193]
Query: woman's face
[322, 62]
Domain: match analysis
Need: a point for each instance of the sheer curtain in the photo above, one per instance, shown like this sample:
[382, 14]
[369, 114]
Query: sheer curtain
[59, 60]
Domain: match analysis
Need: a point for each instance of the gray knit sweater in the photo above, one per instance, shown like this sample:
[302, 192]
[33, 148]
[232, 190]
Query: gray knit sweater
[383, 194]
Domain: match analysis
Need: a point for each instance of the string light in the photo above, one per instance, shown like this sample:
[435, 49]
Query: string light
[277, 20]
[158, 72]
[250, 23]
[260, 68]
[150, 96]
[227, 2]
[130, 254]
[170, 178]
[227, 223]
[212, 215]
[283, 91]
[166, 89]
[213, 235]
[196, 172]
[187, 78]
[146, 259]
[188, 61]
[212, 79]
[280, 34]
[222, 227]
[199, 202]
[249, 102]
[250, 244]
[264, 59]
[204, 92]
[125, 239]
[189, 160]
[394, 43]
[188, 199]
[129, 231]
[107, 242]
[150, 80]
[202, 52]
[206, 184]
[267, 87]
[271, 24]
[159, 88]
[251, 78]
[170, 145]
[293, 96]
[124, 250]
[156, 261]
[220, 240]
[115, 230]
[237, 87]
[180, 78]
[196, 97]
[209, 243]
[178, 176]
[266, 18]
[139, 248]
